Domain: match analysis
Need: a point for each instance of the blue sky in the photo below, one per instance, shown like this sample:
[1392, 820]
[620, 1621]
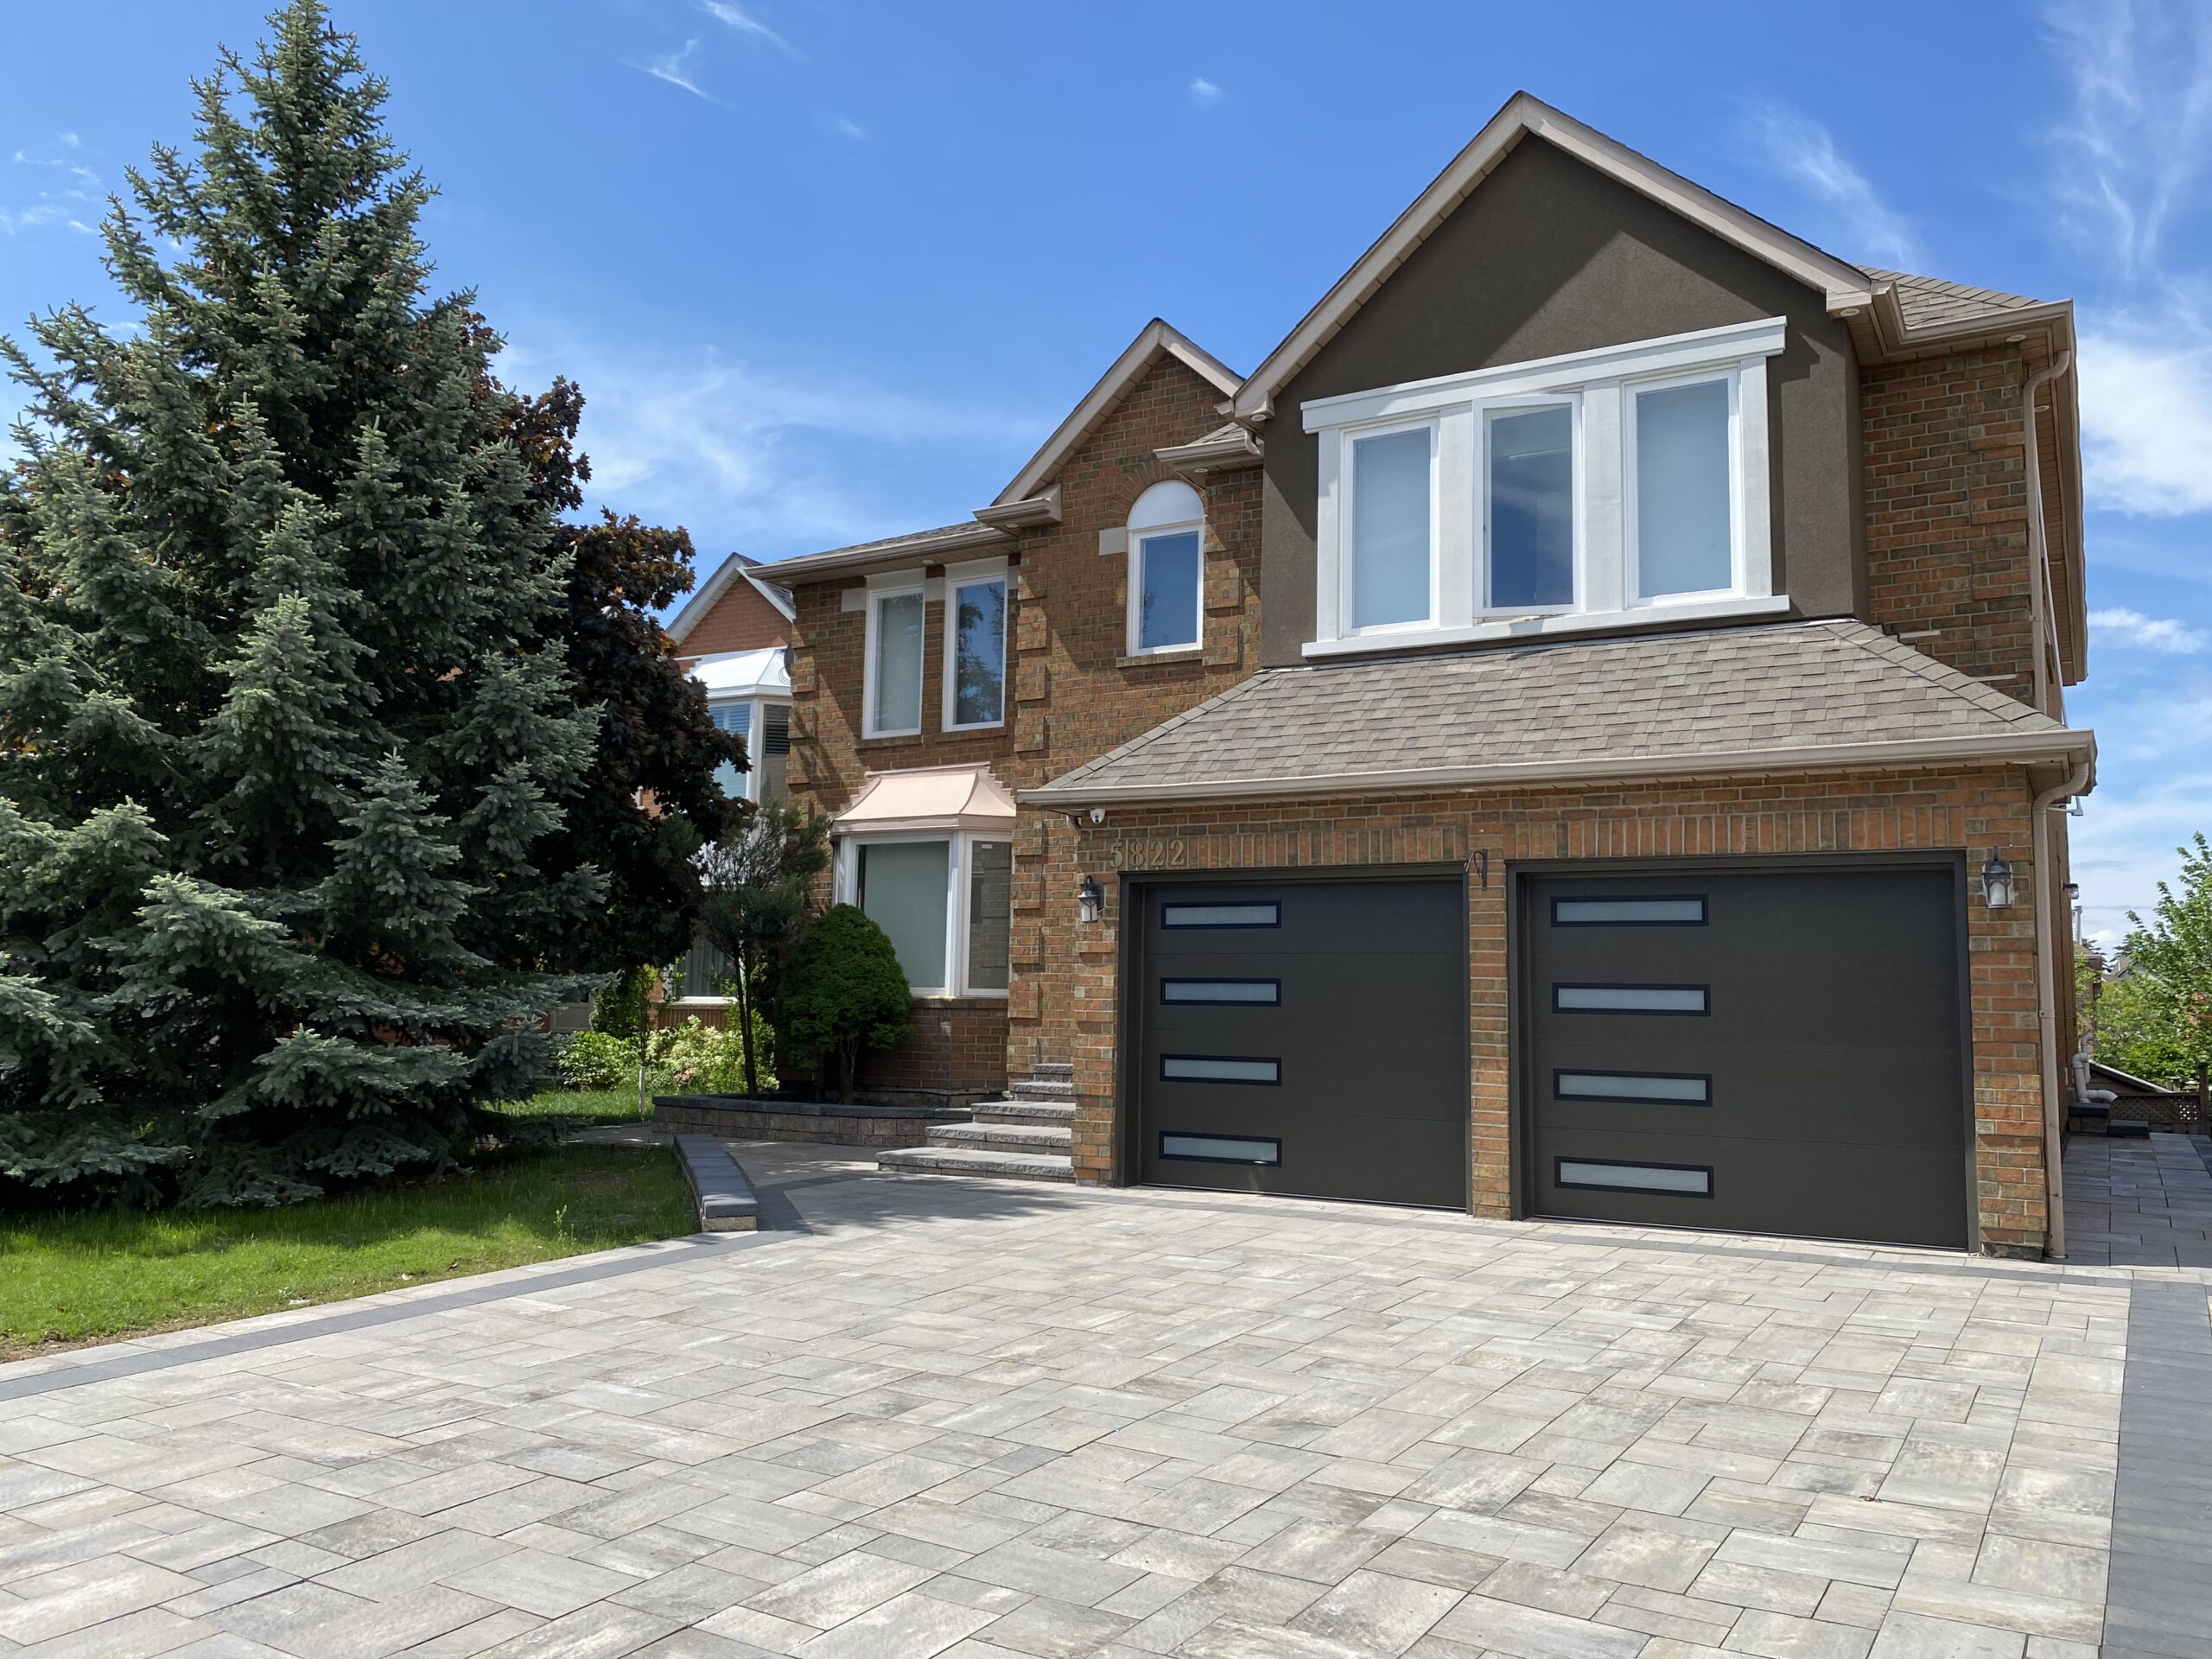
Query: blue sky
[828, 270]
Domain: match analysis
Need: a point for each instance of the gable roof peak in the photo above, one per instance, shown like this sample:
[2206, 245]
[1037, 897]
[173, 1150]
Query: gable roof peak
[1156, 337]
[1845, 287]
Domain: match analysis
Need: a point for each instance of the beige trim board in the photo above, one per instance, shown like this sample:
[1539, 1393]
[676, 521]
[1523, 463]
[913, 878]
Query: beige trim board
[2008, 748]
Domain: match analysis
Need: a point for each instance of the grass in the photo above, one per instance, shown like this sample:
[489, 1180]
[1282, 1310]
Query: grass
[89, 1277]
[562, 1109]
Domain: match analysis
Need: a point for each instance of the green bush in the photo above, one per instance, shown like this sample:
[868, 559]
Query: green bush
[842, 993]
[595, 1059]
[618, 1007]
[701, 1060]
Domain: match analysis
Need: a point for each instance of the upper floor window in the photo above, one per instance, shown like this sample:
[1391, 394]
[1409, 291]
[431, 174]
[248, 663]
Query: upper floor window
[975, 640]
[1579, 492]
[892, 693]
[1166, 569]
[766, 726]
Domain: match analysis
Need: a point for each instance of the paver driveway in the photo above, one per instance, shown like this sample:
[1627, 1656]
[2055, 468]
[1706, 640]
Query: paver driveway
[980, 1419]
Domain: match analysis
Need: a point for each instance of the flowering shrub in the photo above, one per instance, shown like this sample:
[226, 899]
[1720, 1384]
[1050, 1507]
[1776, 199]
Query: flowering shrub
[701, 1060]
[597, 1059]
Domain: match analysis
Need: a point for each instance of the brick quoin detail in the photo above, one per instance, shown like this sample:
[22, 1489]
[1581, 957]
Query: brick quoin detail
[1873, 812]
[1073, 693]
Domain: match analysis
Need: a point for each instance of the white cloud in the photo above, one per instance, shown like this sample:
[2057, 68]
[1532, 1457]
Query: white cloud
[844, 126]
[65, 193]
[2125, 628]
[1205, 92]
[676, 69]
[722, 12]
[770, 461]
[2146, 412]
[1801, 151]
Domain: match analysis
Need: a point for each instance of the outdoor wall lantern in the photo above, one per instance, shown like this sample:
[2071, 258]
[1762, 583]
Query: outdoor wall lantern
[1997, 882]
[1092, 900]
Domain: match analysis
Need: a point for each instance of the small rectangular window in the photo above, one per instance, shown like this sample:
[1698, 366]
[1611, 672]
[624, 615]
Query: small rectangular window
[736, 718]
[1634, 1088]
[1392, 528]
[1221, 1149]
[1217, 1068]
[1628, 913]
[775, 762]
[1167, 576]
[903, 890]
[1684, 530]
[990, 914]
[895, 664]
[1529, 500]
[1266, 914]
[1628, 998]
[1248, 993]
[978, 691]
[1604, 1175]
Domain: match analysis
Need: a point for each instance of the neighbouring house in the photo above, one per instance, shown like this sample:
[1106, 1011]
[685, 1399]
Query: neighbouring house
[1576, 732]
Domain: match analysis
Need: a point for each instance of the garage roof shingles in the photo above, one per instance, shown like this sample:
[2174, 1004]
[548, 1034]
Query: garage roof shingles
[1606, 704]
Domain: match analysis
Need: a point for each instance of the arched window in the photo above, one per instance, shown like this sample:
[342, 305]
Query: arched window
[1166, 569]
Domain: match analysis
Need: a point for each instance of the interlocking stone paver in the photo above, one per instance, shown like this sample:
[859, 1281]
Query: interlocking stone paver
[982, 1421]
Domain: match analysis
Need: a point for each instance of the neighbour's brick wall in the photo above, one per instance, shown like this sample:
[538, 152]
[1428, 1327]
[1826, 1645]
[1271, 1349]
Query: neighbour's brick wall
[742, 619]
[1970, 811]
[1946, 510]
[1073, 691]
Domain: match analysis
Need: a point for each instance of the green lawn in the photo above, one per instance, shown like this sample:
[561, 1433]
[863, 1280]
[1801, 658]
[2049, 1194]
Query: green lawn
[567, 1109]
[88, 1277]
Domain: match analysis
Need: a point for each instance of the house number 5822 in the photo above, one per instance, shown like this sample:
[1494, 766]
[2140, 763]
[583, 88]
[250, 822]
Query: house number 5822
[1146, 855]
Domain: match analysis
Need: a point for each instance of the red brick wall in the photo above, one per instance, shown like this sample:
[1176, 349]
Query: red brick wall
[1074, 693]
[742, 619]
[958, 1046]
[1946, 510]
[1972, 812]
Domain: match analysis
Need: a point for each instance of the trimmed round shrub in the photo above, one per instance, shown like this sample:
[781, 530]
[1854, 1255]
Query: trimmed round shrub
[595, 1059]
[842, 994]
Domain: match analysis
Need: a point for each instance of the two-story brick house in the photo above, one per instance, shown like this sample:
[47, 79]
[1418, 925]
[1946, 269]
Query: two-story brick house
[1576, 732]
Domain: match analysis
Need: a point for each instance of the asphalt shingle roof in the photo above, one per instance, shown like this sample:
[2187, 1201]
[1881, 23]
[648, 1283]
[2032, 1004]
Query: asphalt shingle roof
[1929, 301]
[1608, 703]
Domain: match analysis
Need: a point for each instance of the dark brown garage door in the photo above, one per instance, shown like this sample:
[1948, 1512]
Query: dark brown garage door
[1305, 1037]
[1774, 1052]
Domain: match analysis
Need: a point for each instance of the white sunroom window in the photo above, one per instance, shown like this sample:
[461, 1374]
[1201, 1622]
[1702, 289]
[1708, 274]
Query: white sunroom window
[1597, 489]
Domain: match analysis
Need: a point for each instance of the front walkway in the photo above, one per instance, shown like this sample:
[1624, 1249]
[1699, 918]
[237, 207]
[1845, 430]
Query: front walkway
[988, 1419]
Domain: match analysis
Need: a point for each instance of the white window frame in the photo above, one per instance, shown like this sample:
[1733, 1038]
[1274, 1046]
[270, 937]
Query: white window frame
[973, 575]
[1137, 540]
[898, 584]
[1601, 384]
[756, 737]
[1740, 576]
[1349, 470]
[959, 846]
[1486, 414]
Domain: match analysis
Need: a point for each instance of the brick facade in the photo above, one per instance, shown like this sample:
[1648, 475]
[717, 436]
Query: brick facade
[1948, 534]
[1073, 690]
[1878, 812]
[740, 619]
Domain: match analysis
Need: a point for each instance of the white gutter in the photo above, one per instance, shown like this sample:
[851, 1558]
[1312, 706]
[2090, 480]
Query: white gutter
[2047, 1004]
[2000, 748]
[2041, 606]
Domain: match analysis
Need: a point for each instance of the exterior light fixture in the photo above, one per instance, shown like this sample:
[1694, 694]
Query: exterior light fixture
[1091, 899]
[1997, 881]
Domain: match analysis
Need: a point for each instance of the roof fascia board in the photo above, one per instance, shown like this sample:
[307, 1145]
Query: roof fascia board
[1040, 509]
[2006, 748]
[775, 596]
[1842, 286]
[1155, 337]
[814, 566]
[702, 599]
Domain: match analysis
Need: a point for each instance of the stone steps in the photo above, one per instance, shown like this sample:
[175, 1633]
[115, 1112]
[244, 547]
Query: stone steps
[977, 1160]
[1027, 1136]
[1017, 1137]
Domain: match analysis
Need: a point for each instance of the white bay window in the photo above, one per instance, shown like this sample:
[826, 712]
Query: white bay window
[1589, 491]
[927, 854]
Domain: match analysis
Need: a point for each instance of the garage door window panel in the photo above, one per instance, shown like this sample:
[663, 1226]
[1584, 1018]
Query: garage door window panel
[1653, 910]
[1634, 1088]
[1220, 1068]
[1221, 992]
[1265, 914]
[1691, 999]
[1605, 1175]
[1249, 1150]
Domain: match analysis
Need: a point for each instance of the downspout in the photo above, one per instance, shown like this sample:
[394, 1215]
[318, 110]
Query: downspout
[2043, 622]
[2047, 1004]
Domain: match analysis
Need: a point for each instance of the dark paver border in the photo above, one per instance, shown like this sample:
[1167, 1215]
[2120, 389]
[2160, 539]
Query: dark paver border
[726, 1199]
[2159, 1595]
